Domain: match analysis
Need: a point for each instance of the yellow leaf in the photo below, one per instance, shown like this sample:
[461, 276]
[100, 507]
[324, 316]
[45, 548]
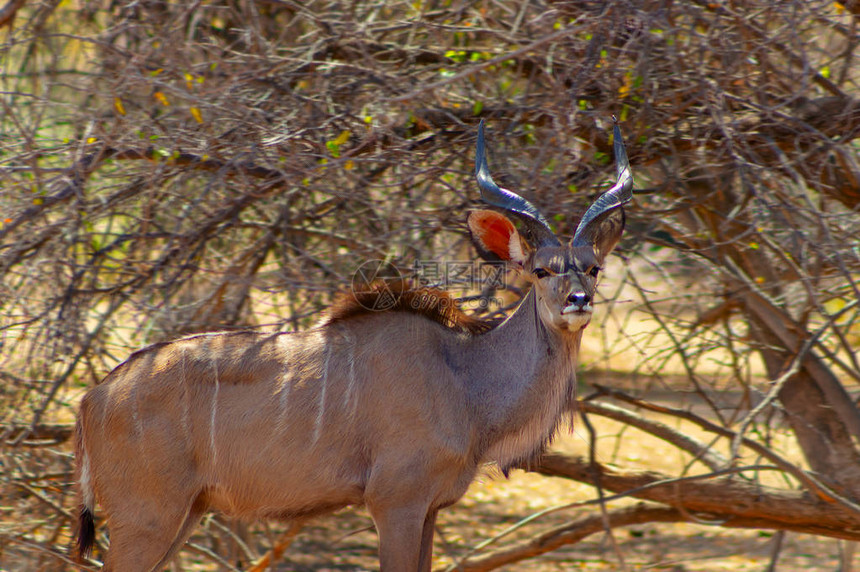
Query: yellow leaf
[92, 139]
[832, 306]
[195, 112]
[349, 165]
[624, 90]
[189, 81]
[38, 201]
[162, 99]
[343, 137]
[117, 104]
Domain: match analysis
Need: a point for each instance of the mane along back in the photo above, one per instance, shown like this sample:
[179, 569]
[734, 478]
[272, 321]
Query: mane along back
[399, 296]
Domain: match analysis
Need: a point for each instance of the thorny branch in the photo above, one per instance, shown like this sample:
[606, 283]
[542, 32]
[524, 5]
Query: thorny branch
[191, 167]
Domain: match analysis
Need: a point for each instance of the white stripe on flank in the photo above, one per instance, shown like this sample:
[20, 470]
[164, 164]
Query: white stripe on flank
[135, 413]
[350, 399]
[321, 407]
[283, 394]
[186, 401]
[138, 425]
[212, 418]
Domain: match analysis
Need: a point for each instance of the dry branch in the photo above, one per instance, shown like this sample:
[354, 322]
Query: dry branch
[566, 534]
[7, 12]
[809, 481]
[731, 501]
[640, 513]
[701, 451]
[286, 539]
[50, 551]
[42, 435]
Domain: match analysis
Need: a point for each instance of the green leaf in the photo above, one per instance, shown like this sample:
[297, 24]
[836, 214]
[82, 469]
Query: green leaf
[333, 148]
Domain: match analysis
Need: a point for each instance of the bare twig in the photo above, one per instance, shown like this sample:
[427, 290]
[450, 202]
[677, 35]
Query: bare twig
[700, 451]
[7, 12]
[278, 549]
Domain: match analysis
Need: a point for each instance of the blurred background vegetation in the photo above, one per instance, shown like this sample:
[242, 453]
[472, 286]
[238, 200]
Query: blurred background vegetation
[176, 167]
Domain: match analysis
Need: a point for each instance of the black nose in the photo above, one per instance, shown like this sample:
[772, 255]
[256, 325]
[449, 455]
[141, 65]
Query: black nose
[579, 299]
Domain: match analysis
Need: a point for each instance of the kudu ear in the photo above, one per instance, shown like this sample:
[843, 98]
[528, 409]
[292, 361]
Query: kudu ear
[496, 238]
[604, 232]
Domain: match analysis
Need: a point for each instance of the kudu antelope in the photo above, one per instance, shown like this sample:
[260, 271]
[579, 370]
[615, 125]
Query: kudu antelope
[396, 410]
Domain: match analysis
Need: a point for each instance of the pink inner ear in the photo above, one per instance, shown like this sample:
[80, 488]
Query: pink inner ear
[494, 231]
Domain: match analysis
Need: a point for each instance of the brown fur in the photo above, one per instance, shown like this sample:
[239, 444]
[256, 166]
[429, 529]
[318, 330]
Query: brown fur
[400, 296]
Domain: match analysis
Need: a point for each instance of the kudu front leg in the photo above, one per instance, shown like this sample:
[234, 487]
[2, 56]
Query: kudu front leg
[401, 535]
[426, 558]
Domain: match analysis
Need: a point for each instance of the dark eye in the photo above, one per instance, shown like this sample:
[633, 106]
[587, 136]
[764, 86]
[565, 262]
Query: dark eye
[594, 271]
[540, 273]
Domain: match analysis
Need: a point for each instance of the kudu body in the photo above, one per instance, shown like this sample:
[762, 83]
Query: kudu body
[388, 409]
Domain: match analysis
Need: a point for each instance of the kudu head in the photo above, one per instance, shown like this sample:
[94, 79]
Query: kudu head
[563, 276]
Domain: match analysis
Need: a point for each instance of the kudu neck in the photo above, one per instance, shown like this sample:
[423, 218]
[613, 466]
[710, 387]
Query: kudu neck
[520, 359]
[525, 335]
